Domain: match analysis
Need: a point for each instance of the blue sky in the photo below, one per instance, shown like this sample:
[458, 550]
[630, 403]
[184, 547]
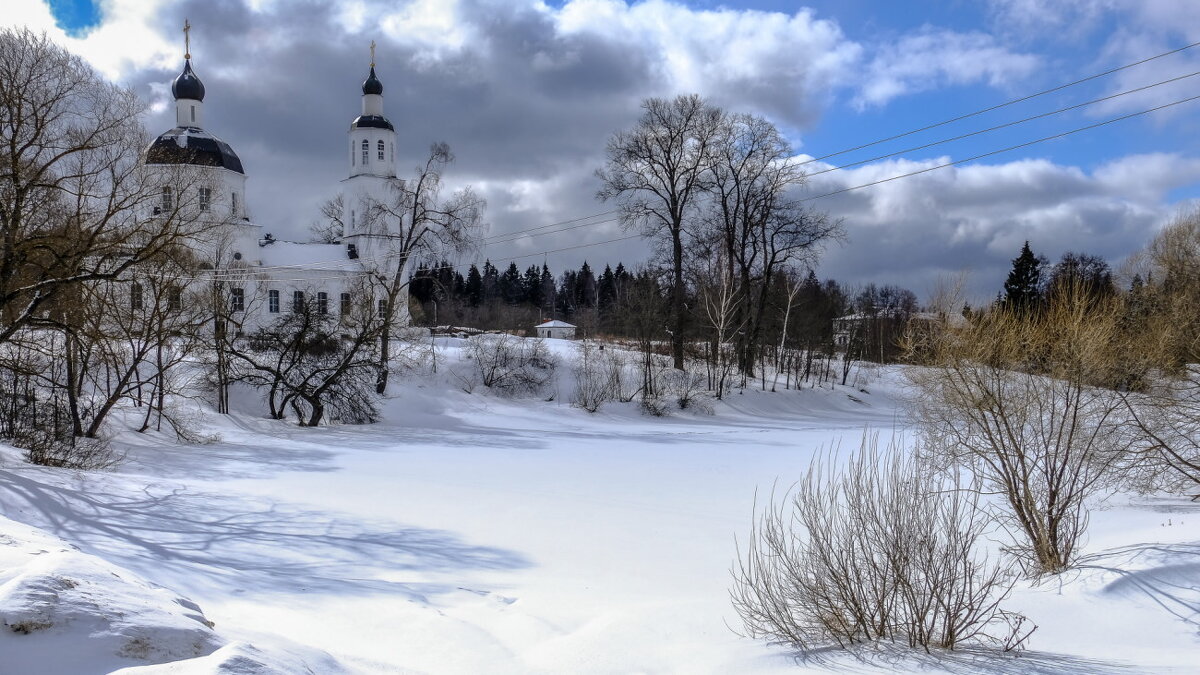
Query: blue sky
[526, 93]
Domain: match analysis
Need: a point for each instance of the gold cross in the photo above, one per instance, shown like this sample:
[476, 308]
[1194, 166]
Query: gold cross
[187, 40]
[372, 53]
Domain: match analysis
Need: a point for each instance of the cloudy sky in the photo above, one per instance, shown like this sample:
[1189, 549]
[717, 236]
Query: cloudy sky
[526, 92]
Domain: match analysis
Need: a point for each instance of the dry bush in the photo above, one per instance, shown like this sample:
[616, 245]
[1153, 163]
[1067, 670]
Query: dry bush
[883, 549]
[1019, 399]
[688, 388]
[597, 376]
[1167, 417]
[1164, 326]
[511, 365]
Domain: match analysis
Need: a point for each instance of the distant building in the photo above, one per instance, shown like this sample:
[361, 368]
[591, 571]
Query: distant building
[555, 329]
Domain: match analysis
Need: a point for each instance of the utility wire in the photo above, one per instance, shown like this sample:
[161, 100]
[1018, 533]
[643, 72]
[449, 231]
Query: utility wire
[1001, 150]
[1005, 104]
[1006, 125]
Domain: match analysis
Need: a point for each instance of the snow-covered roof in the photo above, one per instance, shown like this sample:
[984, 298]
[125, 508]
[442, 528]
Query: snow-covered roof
[555, 323]
[326, 257]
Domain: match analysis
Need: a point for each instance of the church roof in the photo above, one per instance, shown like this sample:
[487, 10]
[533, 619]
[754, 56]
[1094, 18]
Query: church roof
[372, 122]
[192, 145]
[555, 324]
[187, 85]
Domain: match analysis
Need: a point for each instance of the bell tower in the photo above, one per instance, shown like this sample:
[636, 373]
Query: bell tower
[372, 140]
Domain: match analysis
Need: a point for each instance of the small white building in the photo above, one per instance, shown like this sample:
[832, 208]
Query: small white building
[555, 329]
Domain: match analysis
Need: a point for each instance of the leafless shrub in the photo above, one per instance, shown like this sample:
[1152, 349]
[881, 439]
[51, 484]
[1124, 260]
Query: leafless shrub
[69, 452]
[1167, 418]
[597, 376]
[1019, 399]
[688, 388]
[511, 365]
[883, 549]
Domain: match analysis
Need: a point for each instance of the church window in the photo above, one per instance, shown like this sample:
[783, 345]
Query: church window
[234, 203]
[273, 301]
[297, 301]
[322, 302]
[345, 303]
[382, 308]
[167, 199]
[351, 220]
[379, 146]
[205, 197]
[135, 295]
[174, 298]
[237, 299]
[193, 112]
[366, 151]
[351, 153]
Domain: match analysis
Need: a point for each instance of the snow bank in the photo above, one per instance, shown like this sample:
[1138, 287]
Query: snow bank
[63, 611]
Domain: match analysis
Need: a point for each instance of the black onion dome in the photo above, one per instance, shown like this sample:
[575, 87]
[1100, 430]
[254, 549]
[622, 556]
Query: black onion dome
[187, 85]
[373, 85]
[191, 145]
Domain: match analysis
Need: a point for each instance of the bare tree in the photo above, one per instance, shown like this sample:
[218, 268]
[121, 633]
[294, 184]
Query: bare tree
[658, 171]
[317, 365]
[720, 299]
[1163, 327]
[73, 193]
[1021, 400]
[416, 221]
[760, 228]
[329, 229]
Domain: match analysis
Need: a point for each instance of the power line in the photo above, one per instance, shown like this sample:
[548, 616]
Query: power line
[1006, 125]
[1001, 150]
[1003, 105]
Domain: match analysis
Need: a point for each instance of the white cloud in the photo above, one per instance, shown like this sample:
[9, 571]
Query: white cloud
[976, 217]
[934, 58]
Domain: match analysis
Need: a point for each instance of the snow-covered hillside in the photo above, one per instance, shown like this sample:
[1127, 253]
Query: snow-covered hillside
[475, 534]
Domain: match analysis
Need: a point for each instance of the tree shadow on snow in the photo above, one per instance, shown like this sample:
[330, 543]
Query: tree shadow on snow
[1168, 574]
[215, 541]
[966, 660]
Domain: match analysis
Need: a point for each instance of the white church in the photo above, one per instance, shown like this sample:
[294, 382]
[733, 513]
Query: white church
[268, 276]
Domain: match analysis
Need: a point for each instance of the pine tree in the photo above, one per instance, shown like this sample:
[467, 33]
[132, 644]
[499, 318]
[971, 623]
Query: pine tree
[585, 287]
[473, 289]
[1023, 289]
[532, 282]
[512, 290]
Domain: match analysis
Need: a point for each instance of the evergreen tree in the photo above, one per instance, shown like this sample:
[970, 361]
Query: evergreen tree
[491, 282]
[567, 293]
[585, 287]
[606, 289]
[1023, 288]
[549, 292]
[512, 289]
[532, 282]
[473, 291]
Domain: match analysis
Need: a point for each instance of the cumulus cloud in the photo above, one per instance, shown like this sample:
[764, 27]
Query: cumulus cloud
[976, 217]
[934, 58]
[527, 93]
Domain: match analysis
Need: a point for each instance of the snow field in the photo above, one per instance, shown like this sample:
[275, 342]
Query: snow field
[474, 534]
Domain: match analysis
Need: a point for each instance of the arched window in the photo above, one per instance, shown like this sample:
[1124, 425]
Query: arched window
[366, 151]
[379, 147]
